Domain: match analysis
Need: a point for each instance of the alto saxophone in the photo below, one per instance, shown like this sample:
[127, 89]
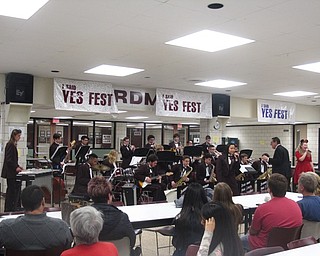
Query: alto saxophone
[181, 181]
[212, 178]
[266, 175]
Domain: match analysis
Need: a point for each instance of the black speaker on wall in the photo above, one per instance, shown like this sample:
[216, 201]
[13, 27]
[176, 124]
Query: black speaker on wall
[220, 105]
[19, 88]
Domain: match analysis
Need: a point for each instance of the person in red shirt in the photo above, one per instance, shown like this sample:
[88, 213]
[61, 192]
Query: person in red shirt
[278, 212]
[86, 224]
[304, 160]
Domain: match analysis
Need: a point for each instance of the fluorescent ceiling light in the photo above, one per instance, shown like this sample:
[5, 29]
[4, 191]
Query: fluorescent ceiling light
[82, 124]
[158, 121]
[210, 41]
[295, 94]
[20, 9]
[121, 111]
[136, 117]
[110, 70]
[219, 83]
[190, 123]
[63, 117]
[314, 67]
[32, 111]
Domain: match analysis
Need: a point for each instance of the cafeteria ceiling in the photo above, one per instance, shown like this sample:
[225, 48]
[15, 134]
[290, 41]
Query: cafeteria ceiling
[72, 36]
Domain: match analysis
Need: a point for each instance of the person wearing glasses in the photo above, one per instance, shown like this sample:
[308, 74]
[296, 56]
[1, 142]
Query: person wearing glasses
[10, 170]
[280, 161]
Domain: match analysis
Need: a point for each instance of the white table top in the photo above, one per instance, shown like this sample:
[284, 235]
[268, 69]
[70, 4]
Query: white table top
[149, 212]
[252, 201]
[310, 250]
[50, 214]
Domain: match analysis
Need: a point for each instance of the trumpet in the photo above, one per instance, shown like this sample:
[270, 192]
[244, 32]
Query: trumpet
[182, 179]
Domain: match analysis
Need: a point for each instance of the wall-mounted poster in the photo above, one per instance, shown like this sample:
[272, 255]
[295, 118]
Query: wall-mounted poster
[106, 139]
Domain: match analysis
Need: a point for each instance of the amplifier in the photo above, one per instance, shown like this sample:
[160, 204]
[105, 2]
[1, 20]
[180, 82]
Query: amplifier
[129, 194]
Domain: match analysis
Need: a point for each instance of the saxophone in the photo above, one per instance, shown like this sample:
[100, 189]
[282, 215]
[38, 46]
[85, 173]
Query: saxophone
[266, 175]
[181, 181]
[212, 178]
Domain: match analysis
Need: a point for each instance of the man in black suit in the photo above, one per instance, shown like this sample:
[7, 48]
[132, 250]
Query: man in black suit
[56, 161]
[280, 161]
[151, 142]
[127, 152]
[83, 175]
[204, 172]
[151, 176]
[84, 142]
[206, 144]
[176, 145]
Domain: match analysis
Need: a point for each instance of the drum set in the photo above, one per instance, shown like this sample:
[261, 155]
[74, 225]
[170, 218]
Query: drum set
[118, 177]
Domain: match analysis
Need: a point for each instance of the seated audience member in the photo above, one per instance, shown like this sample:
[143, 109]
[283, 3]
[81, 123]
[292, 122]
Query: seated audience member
[223, 194]
[310, 204]
[188, 227]
[83, 175]
[86, 224]
[317, 192]
[205, 172]
[116, 224]
[219, 238]
[34, 230]
[278, 212]
[151, 176]
[151, 142]
[180, 172]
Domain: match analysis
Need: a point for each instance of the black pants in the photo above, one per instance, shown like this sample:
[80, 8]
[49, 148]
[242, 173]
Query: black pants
[12, 195]
[156, 190]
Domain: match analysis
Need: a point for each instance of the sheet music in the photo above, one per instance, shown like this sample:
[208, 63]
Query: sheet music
[135, 160]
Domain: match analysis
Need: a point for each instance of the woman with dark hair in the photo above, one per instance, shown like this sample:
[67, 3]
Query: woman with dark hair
[116, 224]
[227, 166]
[223, 194]
[220, 238]
[304, 160]
[9, 171]
[188, 228]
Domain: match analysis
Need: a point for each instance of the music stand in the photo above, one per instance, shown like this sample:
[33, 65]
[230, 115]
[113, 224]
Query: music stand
[143, 152]
[192, 151]
[166, 147]
[222, 148]
[248, 152]
[82, 151]
[166, 156]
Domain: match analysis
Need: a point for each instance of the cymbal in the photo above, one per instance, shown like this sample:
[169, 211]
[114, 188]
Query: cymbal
[101, 167]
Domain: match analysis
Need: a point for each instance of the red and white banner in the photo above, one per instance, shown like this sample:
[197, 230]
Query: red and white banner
[183, 104]
[87, 96]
